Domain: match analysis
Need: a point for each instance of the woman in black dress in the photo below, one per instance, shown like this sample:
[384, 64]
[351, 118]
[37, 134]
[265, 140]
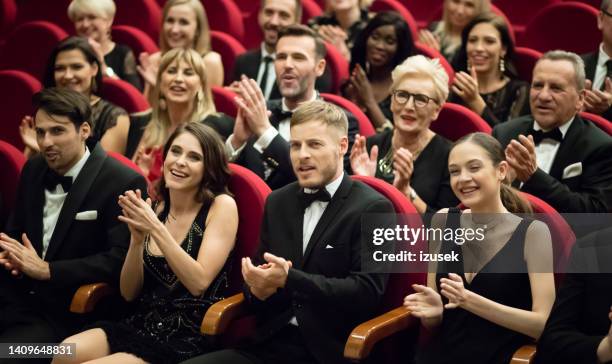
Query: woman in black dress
[499, 294]
[486, 80]
[411, 156]
[384, 43]
[177, 263]
[182, 94]
[93, 20]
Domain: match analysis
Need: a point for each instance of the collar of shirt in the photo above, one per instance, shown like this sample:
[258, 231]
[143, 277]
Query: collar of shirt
[75, 170]
[331, 187]
[315, 95]
[563, 128]
[265, 53]
[603, 57]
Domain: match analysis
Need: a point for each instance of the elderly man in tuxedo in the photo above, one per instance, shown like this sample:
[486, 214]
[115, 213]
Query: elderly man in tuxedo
[308, 266]
[554, 153]
[598, 67]
[260, 141]
[64, 231]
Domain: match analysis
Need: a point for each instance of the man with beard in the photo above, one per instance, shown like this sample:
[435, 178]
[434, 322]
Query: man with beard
[260, 141]
[258, 63]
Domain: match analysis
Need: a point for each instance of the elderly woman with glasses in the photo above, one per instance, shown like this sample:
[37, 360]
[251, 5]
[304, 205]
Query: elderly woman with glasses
[411, 156]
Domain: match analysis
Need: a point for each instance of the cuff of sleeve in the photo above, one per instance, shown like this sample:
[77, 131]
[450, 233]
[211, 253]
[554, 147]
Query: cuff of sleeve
[234, 153]
[265, 139]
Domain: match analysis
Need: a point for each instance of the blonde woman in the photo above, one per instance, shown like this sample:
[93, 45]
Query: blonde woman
[182, 95]
[93, 20]
[445, 35]
[184, 25]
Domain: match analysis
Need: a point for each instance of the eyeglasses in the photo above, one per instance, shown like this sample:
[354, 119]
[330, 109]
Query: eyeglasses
[606, 13]
[420, 100]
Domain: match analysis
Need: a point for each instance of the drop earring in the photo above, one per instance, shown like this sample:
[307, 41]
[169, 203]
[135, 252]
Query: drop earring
[502, 66]
[162, 103]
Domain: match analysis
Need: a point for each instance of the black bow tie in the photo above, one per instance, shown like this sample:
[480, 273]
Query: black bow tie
[539, 135]
[308, 198]
[281, 115]
[52, 179]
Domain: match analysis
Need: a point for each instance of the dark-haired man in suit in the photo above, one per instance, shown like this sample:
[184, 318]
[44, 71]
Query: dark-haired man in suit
[598, 67]
[554, 153]
[260, 141]
[258, 63]
[64, 231]
[308, 266]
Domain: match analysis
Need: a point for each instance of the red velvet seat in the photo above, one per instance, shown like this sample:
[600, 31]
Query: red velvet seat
[365, 125]
[338, 66]
[554, 27]
[8, 15]
[225, 16]
[310, 9]
[455, 121]
[525, 60]
[15, 102]
[145, 15]
[20, 53]
[429, 52]
[224, 101]
[248, 7]
[11, 162]
[229, 49]
[134, 38]
[421, 9]
[252, 32]
[122, 93]
[394, 5]
[32, 10]
[126, 162]
[521, 12]
[603, 123]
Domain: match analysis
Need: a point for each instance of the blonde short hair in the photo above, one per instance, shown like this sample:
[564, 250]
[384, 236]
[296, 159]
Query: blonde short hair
[201, 40]
[421, 66]
[102, 8]
[156, 132]
[318, 110]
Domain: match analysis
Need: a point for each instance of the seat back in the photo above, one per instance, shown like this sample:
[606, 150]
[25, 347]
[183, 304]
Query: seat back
[365, 125]
[554, 27]
[601, 122]
[145, 15]
[250, 193]
[16, 94]
[124, 94]
[224, 101]
[33, 10]
[20, 54]
[310, 9]
[225, 16]
[525, 60]
[394, 5]
[429, 52]
[134, 38]
[521, 12]
[229, 48]
[11, 163]
[8, 15]
[338, 67]
[456, 121]
[421, 10]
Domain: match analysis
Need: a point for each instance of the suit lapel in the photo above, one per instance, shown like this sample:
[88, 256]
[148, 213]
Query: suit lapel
[590, 64]
[334, 206]
[297, 229]
[75, 197]
[567, 148]
[36, 203]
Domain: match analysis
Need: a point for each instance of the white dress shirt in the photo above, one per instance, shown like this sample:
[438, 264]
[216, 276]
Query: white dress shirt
[54, 201]
[312, 215]
[546, 151]
[600, 70]
[271, 77]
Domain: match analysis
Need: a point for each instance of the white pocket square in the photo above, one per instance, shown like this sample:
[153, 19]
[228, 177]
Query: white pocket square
[329, 247]
[572, 170]
[87, 215]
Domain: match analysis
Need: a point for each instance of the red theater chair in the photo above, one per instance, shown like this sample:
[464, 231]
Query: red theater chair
[603, 123]
[141, 14]
[338, 66]
[393, 5]
[32, 10]
[224, 101]
[525, 60]
[15, 102]
[456, 121]
[225, 16]
[421, 10]
[229, 49]
[134, 38]
[521, 12]
[8, 14]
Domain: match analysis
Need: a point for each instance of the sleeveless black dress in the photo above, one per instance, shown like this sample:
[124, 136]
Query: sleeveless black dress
[464, 337]
[165, 327]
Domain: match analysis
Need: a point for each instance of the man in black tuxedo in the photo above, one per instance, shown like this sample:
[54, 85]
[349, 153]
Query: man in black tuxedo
[598, 67]
[578, 329]
[554, 153]
[260, 140]
[258, 63]
[308, 266]
[64, 231]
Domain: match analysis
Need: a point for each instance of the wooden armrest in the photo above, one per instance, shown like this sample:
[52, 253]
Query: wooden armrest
[87, 296]
[219, 316]
[363, 337]
[524, 355]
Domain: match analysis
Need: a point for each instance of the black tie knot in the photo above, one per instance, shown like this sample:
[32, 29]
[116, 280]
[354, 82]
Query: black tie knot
[268, 59]
[52, 179]
[308, 198]
[539, 135]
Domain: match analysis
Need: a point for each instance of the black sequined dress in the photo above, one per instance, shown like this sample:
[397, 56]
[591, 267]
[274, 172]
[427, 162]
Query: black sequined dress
[165, 327]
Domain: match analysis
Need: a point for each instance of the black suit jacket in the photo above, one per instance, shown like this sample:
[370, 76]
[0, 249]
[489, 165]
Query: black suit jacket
[277, 153]
[591, 191]
[248, 64]
[80, 251]
[590, 65]
[579, 319]
[323, 280]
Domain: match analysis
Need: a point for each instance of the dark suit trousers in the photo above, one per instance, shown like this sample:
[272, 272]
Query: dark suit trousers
[286, 346]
